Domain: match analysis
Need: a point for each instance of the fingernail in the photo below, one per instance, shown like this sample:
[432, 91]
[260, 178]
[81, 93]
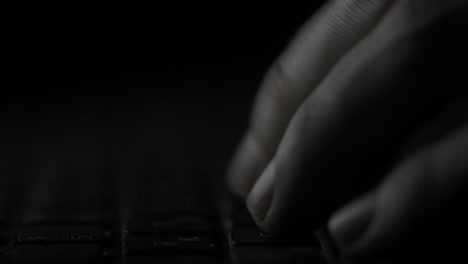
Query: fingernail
[349, 224]
[261, 195]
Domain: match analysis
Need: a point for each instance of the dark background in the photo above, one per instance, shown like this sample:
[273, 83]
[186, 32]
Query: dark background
[155, 84]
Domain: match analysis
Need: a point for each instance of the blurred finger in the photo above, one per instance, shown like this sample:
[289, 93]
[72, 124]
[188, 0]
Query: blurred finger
[410, 205]
[319, 45]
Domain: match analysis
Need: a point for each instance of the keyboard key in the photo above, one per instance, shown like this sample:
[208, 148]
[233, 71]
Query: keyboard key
[169, 244]
[175, 204]
[61, 203]
[68, 253]
[170, 224]
[253, 236]
[172, 259]
[71, 234]
[277, 255]
[70, 217]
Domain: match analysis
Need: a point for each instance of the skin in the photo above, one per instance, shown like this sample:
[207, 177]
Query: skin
[332, 131]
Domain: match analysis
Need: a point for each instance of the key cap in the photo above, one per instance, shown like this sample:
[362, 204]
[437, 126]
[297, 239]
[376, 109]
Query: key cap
[172, 259]
[72, 234]
[277, 255]
[253, 236]
[169, 244]
[63, 202]
[176, 204]
[170, 224]
[68, 253]
[70, 217]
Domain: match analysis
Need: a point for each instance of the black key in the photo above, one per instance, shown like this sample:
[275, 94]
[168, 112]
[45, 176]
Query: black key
[67, 253]
[176, 204]
[172, 259]
[253, 236]
[71, 234]
[71, 216]
[60, 199]
[276, 255]
[170, 224]
[169, 245]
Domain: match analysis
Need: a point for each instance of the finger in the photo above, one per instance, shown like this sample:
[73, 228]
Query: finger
[412, 201]
[351, 125]
[321, 42]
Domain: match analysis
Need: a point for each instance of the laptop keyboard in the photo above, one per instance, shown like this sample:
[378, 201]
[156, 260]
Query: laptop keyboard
[73, 214]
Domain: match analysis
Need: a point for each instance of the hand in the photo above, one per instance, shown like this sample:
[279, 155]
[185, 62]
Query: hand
[334, 114]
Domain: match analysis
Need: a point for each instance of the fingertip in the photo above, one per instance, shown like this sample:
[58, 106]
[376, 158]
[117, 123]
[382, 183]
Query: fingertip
[350, 223]
[246, 166]
[260, 198]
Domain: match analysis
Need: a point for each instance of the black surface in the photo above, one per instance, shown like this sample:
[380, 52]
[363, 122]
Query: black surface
[173, 81]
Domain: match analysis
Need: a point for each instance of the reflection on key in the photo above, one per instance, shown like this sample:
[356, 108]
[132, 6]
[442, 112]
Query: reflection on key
[68, 253]
[49, 234]
[254, 236]
[169, 244]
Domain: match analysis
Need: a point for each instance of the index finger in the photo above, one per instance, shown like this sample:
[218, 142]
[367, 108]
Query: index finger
[322, 41]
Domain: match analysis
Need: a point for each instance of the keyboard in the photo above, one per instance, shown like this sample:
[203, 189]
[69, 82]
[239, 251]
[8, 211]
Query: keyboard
[72, 212]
